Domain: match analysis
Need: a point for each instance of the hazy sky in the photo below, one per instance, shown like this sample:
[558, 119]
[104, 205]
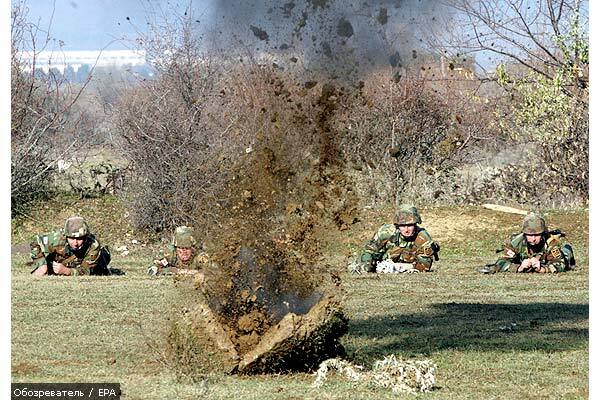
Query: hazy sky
[268, 24]
[339, 37]
[93, 24]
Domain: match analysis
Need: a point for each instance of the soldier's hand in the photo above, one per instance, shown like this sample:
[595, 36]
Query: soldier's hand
[525, 265]
[535, 264]
[41, 270]
[60, 269]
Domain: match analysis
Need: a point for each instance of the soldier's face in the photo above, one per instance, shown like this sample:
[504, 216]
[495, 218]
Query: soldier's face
[184, 253]
[75, 243]
[407, 230]
[533, 239]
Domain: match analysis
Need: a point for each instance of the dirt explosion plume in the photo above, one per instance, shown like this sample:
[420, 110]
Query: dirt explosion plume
[267, 245]
[283, 192]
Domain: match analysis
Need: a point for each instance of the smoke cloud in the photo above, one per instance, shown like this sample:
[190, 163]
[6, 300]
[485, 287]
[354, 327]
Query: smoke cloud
[330, 39]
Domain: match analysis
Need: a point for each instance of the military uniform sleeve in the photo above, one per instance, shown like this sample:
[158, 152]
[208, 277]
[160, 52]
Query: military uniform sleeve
[162, 260]
[165, 261]
[424, 250]
[37, 254]
[200, 260]
[44, 245]
[375, 248]
[559, 255]
[509, 254]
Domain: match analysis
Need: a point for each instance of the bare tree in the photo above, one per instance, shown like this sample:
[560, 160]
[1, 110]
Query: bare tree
[540, 53]
[540, 36]
[45, 126]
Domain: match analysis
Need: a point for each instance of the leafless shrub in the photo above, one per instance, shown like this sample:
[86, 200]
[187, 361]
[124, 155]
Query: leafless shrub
[541, 52]
[184, 131]
[191, 133]
[394, 134]
[554, 175]
[45, 125]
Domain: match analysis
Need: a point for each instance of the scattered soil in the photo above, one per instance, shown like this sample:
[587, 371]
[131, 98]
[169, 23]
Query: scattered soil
[266, 255]
[24, 368]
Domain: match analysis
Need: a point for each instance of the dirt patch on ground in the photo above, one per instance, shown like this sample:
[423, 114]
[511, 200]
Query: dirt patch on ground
[465, 224]
[24, 368]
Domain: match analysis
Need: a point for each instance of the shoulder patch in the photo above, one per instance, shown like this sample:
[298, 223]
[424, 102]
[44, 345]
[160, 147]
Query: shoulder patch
[57, 238]
[427, 250]
[50, 241]
[95, 244]
[555, 252]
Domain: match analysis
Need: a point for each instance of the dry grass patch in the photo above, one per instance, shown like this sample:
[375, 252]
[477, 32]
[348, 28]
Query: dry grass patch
[499, 336]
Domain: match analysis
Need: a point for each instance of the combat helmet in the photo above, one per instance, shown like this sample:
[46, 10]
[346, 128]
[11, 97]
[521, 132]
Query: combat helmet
[534, 224]
[407, 215]
[184, 237]
[76, 227]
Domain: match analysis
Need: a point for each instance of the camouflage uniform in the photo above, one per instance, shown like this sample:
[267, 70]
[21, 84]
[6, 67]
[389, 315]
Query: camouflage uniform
[90, 259]
[389, 244]
[554, 253]
[168, 262]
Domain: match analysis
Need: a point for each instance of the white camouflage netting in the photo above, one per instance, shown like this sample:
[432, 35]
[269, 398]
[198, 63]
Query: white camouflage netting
[390, 267]
[401, 376]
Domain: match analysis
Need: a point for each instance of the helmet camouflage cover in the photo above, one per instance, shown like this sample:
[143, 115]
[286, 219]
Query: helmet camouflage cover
[407, 215]
[184, 237]
[534, 224]
[76, 227]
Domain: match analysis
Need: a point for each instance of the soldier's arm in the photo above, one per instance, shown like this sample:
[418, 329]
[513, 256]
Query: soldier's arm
[375, 248]
[37, 255]
[424, 251]
[83, 268]
[559, 256]
[43, 249]
[163, 263]
[60, 268]
[509, 255]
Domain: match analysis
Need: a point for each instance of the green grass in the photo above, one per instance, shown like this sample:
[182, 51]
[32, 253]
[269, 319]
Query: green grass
[503, 336]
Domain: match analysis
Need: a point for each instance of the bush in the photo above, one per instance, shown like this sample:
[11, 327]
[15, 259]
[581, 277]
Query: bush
[396, 133]
[45, 125]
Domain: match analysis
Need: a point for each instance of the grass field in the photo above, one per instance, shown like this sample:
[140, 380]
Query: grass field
[503, 336]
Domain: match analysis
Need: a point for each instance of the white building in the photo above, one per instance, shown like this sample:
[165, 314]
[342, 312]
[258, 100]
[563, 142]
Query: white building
[60, 60]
